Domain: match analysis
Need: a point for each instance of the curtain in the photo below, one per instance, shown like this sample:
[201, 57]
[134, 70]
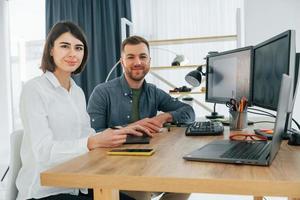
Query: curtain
[101, 22]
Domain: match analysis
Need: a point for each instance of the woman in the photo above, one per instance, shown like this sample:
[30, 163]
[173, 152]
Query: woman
[53, 112]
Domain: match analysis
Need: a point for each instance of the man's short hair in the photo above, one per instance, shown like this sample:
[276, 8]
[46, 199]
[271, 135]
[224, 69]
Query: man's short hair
[56, 31]
[134, 40]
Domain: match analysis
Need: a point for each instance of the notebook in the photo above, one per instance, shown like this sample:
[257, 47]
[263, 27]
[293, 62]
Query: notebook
[132, 139]
[263, 152]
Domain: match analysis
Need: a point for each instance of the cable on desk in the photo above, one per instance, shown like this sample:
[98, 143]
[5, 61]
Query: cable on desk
[262, 111]
[264, 114]
[297, 124]
[264, 122]
[270, 115]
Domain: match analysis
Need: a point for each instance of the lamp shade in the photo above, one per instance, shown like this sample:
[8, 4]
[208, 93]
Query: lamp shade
[178, 60]
[193, 78]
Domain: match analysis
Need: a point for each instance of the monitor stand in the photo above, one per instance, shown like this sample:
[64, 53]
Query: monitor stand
[214, 114]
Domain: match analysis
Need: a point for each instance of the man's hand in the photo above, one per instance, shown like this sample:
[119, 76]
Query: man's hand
[154, 124]
[163, 118]
[115, 137]
[151, 124]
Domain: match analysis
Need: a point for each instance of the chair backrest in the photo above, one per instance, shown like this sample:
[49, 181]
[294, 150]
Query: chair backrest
[14, 164]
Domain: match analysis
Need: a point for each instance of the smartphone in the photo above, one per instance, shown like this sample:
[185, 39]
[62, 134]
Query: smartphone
[131, 152]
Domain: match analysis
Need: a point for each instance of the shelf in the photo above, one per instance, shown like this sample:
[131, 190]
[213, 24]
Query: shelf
[183, 93]
[193, 40]
[174, 67]
[154, 71]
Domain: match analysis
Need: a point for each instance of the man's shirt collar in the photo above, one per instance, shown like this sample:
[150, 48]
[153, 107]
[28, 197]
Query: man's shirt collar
[125, 87]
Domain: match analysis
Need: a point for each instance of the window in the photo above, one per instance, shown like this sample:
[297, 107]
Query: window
[27, 35]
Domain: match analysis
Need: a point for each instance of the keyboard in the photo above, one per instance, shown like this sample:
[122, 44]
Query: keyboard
[245, 150]
[204, 128]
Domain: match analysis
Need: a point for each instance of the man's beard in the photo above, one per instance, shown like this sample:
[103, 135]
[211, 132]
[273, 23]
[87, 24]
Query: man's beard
[138, 77]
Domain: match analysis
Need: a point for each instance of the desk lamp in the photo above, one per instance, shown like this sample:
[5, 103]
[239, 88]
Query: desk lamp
[179, 58]
[194, 78]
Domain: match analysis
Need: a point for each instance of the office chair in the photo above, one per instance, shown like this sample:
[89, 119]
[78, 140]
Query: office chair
[14, 164]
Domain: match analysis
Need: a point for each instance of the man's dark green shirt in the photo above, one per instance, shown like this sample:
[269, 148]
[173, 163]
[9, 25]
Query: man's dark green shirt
[135, 111]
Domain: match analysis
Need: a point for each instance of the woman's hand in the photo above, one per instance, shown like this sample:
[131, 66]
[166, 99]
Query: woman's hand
[114, 137]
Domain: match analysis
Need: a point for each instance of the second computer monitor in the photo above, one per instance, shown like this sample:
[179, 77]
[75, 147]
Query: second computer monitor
[272, 58]
[229, 75]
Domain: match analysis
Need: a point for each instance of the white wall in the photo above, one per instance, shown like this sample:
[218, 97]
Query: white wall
[170, 19]
[5, 90]
[267, 18]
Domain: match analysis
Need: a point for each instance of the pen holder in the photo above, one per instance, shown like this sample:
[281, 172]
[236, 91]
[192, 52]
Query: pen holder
[238, 120]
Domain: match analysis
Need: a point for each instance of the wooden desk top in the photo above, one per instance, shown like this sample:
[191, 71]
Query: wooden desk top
[166, 171]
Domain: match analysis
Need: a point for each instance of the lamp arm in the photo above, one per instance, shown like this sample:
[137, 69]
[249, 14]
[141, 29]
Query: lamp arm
[112, 69]
[200, 69]
[4, 174]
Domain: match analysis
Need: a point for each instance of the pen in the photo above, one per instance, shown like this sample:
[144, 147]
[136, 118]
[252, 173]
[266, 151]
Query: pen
[243, 104]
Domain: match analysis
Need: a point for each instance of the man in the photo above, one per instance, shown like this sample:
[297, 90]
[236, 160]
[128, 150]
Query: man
[130, 99]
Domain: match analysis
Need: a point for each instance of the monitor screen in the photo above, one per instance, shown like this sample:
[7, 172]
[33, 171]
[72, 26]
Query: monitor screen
[272, 58]
[229, 75]
[297, 65]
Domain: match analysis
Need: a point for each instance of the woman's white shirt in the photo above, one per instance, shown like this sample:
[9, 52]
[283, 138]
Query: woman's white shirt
[56, 128]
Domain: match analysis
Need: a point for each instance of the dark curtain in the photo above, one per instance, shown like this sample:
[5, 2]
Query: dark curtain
[101, 22]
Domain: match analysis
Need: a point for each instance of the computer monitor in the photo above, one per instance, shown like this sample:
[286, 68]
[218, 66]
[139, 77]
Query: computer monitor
[294, 94]
[272, 58]
[229, 75]
[297, 66]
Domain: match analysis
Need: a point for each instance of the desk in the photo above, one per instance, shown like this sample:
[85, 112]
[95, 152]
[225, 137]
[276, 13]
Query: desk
[167, 171]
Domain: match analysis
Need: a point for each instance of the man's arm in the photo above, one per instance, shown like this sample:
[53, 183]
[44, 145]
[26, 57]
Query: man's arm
[153, 124]
[180, 112]
[97, 109]
[164, 117]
